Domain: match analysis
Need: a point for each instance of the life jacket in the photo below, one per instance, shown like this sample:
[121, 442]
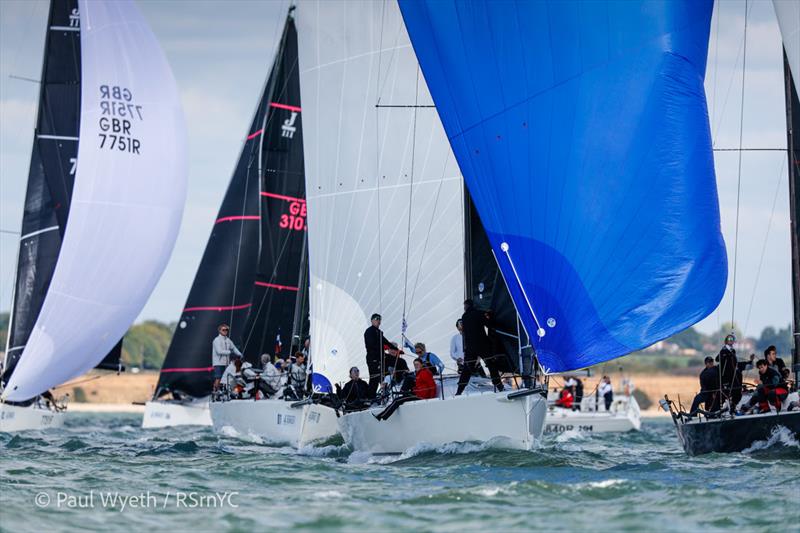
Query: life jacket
[565, 399]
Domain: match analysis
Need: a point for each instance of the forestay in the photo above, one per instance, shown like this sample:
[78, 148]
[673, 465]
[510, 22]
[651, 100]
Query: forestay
[383, 189]
[582, 131]
[127, 201]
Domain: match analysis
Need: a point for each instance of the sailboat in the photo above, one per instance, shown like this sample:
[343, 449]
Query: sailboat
[280, 301]
[105, 196]
[581, 131]
[722, 432]
[386, 221]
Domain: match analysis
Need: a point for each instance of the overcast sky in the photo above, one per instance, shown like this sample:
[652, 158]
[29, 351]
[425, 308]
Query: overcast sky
[220, 53]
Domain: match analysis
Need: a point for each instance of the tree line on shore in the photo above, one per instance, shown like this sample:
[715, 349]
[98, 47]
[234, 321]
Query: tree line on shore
[145, 345]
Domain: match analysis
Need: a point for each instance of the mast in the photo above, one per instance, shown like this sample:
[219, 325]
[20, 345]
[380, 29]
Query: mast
[793, 153]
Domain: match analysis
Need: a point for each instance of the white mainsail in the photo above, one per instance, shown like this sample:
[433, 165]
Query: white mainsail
[788, 13]
[130, 188]
[384, 191]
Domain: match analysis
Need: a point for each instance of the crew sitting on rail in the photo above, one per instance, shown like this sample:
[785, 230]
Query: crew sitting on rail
[771, 390]
[424, 385]
[232, 377]
[296, 377]
[355, 394]
[272, 377]
[565, 398]
[709, 389]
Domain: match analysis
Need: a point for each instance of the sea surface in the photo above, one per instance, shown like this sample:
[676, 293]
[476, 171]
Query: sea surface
[102, 472]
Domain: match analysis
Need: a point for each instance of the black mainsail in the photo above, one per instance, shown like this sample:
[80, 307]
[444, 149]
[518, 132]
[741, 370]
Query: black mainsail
[249, 276]
[277, 317]
[50, 179]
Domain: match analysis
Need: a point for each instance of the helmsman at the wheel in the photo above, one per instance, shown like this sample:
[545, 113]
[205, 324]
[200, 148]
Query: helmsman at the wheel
[374, 341]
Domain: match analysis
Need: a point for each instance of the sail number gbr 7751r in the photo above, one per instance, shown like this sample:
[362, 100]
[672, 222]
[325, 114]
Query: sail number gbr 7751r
[119, 114]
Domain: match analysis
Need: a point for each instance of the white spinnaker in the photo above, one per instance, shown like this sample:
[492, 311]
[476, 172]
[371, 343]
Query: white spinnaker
[126, 206]
[355, 55]
[788, 13]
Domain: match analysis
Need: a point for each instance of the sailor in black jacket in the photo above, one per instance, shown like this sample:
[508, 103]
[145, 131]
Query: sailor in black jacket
[374, 342]
[709, 388]
[476, 344]
[731, 371]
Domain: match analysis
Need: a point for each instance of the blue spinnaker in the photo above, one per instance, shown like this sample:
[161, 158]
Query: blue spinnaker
[582, 132]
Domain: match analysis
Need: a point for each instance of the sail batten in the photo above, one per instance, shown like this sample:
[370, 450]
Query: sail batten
[582, 132]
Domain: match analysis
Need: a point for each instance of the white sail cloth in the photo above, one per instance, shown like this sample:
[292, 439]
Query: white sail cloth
[375, 160]
[788, 13]
[130, 189]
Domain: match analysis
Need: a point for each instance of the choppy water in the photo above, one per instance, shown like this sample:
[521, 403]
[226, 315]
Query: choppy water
[638, 481]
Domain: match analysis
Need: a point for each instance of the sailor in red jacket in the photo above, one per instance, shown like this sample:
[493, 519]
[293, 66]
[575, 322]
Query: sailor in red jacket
[565, 398]
[424, 385]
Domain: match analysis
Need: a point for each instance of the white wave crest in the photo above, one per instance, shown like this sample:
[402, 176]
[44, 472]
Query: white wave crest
[781, 436]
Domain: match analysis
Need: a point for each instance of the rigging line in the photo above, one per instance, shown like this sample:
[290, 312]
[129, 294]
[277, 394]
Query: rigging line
[10, 232]
[764, 243]
[739, 178]
[725, 102]
[410, 196]
[430, 226]
[378, 159]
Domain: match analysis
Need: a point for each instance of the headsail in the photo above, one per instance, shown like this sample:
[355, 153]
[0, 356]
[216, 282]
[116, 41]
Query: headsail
[129, 191]
[384, 192]
[582, 131]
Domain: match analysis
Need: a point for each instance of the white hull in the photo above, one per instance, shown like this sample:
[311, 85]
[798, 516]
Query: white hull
[509, 423]
[168, 413]
[623, 416]
[30, 418]
[275, 421]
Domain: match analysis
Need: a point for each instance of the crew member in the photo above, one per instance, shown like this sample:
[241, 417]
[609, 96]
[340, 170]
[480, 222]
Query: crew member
[709, 388]
[606, 391]
[221, 349]
[476, 344]
[374, 341]
[771, 390]
[771, 355]
[424, 385]
[356, 392]
[731, 372]
[565, 398]
[429, 359]
[457, 346]
[297, 374]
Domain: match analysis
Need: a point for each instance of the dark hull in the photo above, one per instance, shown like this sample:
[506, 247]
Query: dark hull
[734, 435]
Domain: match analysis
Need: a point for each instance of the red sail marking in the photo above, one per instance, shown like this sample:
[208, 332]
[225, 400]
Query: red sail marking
[218, 308]
[245, 217]
[276, 286]
[284, 106]
[199, 369]
[254, 135]
[283, 197]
